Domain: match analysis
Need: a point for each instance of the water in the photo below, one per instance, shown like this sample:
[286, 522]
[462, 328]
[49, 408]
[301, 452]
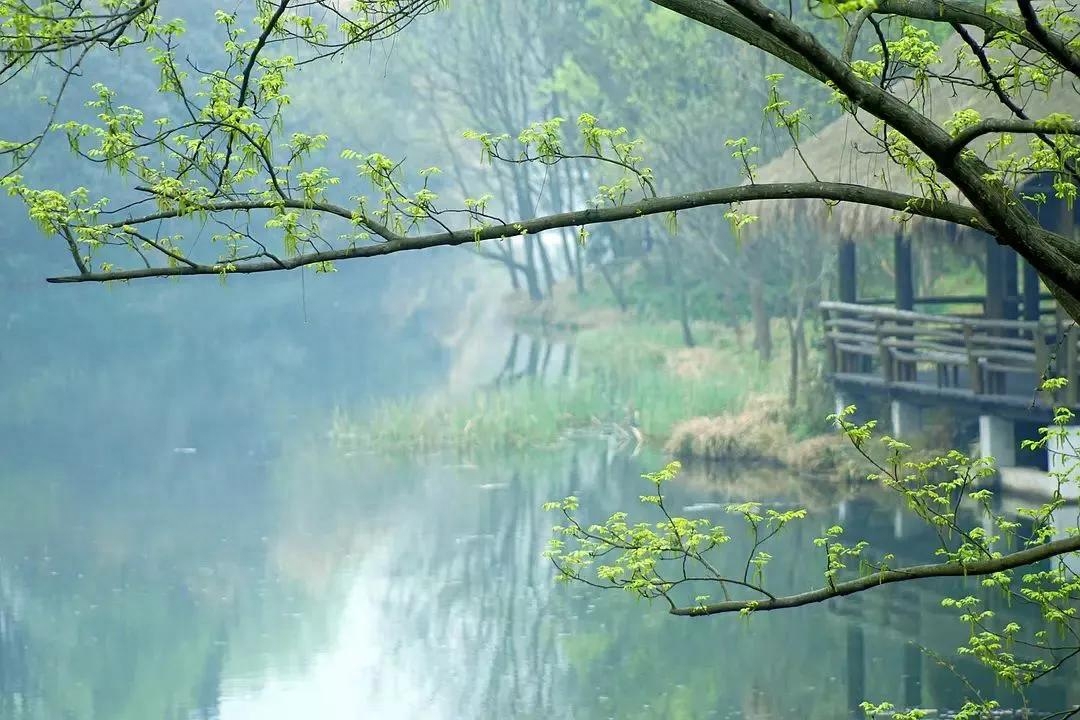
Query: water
[180, 540]
[318, 583]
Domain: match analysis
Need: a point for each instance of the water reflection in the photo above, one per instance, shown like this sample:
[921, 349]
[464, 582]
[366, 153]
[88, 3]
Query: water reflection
[536, 358]
[331, 586]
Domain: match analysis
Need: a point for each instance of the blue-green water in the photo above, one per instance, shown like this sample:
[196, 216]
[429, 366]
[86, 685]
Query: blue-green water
[179, 539]
[317, 583]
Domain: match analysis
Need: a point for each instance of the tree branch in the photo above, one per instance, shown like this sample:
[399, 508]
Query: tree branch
[1011, 125]
[1052, 255]
[967, 13]
[853, 32]
[73, 248]
[1055, 46]
[885, 577]
[841, 192]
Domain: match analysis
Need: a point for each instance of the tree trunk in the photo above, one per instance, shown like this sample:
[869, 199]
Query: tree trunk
[523, 195]
[760, 320]
[545, 264]
[684, 310]
[568, 201]
[510, 364]
[793, 366]
[616, 290]
[531, 280]
[579, 267]
[511, 267]
[674, 275]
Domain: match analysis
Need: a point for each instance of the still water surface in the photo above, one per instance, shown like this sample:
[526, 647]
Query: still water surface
[310, 582]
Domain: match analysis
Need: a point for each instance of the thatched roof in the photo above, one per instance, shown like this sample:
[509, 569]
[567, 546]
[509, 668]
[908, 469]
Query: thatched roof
[845, 151]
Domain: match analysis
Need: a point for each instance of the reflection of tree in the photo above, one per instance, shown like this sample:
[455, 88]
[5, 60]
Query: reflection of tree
[131, 594]
[538, 365]
[214, 571]
[865, 647]
[900, 622]
[14, 679]
[476, 588]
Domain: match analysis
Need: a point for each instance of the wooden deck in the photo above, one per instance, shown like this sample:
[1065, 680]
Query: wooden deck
[991, 365]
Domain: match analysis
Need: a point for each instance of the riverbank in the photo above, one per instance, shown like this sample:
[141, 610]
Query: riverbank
[624, 375]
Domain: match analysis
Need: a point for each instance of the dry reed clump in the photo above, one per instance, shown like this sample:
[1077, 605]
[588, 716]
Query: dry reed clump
[754, 435]
[831, 455]
[759, 434]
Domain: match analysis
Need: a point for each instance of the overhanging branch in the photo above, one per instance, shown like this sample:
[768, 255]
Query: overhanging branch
[839, 192]
[915, 572]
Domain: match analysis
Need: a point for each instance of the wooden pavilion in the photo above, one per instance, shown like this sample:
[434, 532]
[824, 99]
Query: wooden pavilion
[984, 353]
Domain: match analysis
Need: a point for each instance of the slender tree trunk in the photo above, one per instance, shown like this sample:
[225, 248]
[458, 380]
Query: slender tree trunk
[567, 195]
[561, 202]
[545, 264]
[531, 280]
[568, 253]
[579, 267]
[760, 319]
[616, 290]
[677, 275]
[523, 195]
[568, 359]
[669, 271]
[511, 267]
[793, 367]
[800, 332]
[534, 357]
[510, 364]
[548, 347]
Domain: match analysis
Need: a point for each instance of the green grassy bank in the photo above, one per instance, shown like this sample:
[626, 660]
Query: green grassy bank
[630, 373]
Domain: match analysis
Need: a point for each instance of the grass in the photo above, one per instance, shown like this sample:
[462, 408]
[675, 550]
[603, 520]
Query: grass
[628, 371]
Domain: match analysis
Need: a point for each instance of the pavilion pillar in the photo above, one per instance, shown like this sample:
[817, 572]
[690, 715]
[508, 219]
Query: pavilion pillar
[845, 271]
[904, 294]
[1032, 291]
[997, 439]
[994, 307]
[995, 280]
[1011, 286]
[905, 285]
[906, 418]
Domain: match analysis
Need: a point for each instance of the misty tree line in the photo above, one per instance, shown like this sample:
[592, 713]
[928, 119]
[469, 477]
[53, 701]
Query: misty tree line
[514, 65]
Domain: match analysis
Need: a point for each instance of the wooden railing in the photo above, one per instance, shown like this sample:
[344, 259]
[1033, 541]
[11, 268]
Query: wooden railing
[947, 354]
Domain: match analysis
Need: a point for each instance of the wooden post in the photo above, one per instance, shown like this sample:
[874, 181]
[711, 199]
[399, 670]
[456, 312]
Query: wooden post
[1042, 357]
[846, 285]
[904, 297]
[995, 297]
[905, 286]
[832, 364]
[1032, 290]
[1010, 284]
[974, 369]
[884, 354]
[994, 306]
[1071, 390]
